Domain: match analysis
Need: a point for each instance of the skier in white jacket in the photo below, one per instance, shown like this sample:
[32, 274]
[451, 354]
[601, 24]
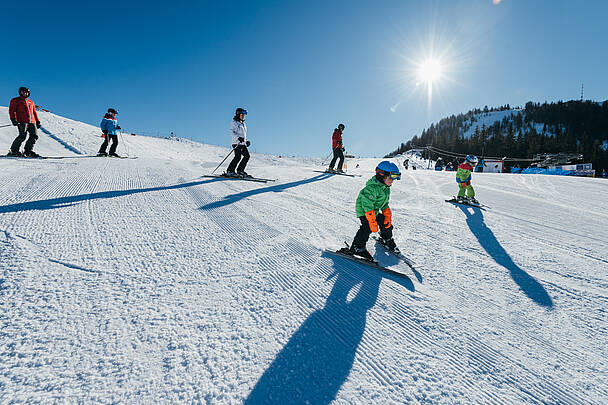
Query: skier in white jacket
[238, 130]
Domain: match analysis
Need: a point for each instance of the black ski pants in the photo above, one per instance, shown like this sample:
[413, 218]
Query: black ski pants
[104, 145]
[364, 231]
[24, 128]
[338, 154]
[240, 151]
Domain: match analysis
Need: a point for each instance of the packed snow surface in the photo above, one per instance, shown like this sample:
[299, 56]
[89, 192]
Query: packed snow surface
[139, 281]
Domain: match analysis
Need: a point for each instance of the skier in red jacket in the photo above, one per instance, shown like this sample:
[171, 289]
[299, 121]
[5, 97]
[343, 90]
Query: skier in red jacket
[22, 112]
[336, 144]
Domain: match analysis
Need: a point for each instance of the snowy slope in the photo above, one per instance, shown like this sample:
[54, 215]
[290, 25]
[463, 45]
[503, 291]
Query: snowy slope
[138, 281]
[415, 159]
[488, 119]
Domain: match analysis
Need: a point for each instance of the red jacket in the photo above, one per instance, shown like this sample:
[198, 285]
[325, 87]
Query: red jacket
[336, 139]
[23, 110]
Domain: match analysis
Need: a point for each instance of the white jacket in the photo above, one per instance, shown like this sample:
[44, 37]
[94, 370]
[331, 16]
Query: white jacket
[238, 130]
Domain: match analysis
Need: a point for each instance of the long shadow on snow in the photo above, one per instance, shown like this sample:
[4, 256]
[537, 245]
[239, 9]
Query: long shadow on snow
[230, 199]
[318, 357]
[62, 142]
[61, 202]
[532, 288]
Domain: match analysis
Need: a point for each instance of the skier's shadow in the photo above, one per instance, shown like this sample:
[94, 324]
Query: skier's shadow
[61, 202]
[232, 198]
[318, 357]
[61, 141]
[532, 288]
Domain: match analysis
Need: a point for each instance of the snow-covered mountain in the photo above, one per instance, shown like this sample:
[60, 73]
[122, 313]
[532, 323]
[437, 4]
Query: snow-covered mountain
[486, 119]
[138, 281]
[478, 122]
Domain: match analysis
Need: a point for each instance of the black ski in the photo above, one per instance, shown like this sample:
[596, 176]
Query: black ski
[119, 157]
[62, 157]
[371, 263]
[35, 157]
[23, 157]
[454, 200]
[255, 179]
[339, 174]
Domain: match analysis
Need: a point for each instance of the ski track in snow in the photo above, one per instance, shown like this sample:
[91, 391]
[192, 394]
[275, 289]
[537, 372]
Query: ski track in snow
[140, 281]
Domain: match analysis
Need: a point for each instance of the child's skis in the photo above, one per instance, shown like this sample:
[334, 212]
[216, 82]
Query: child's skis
[357, 259]
[466, 201]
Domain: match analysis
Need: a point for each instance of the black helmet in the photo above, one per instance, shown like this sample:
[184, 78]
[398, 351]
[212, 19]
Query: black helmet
[24, 90]
[112, 111]
[240, 111]
[341, 127]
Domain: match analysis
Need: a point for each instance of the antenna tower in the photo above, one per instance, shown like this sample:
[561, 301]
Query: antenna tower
[582, 90]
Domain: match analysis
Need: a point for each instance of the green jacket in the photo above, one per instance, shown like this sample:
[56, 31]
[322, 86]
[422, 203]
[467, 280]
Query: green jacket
[374, 196]
[463, 174]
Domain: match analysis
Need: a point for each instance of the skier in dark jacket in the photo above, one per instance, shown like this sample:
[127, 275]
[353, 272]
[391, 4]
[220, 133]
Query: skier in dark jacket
[373, 210]
[22, 112]
[240, 143]
[338, 148]
[109, 126]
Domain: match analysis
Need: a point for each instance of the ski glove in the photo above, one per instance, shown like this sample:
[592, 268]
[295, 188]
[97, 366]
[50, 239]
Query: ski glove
[463, 185]
[241, 139]
[247, 143]
[118, 127]
[14, 122]
[105, 131]
[388, 217]
[38, 124]
[371, 220]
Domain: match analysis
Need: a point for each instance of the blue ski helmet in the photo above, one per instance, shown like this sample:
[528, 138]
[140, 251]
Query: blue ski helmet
[471, 159]
[386, 168]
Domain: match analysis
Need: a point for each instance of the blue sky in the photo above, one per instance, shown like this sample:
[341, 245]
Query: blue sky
[299, 68]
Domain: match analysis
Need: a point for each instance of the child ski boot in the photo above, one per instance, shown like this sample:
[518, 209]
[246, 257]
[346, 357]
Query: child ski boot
[390, 245]
[361, 252]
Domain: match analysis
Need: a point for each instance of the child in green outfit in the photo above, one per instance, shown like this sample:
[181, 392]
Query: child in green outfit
[463, 178]
[373, 210]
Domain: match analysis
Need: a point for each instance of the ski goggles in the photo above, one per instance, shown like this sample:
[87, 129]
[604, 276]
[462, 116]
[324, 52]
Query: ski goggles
[395, 176]
[244, 112]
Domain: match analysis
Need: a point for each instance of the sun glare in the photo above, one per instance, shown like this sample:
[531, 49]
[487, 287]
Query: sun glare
[430, 71]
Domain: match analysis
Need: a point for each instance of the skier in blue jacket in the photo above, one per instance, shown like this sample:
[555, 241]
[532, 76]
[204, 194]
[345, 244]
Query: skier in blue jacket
[109, 126]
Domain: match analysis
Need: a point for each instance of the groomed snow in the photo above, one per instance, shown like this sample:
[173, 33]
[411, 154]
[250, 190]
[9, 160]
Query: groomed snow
[139, 281]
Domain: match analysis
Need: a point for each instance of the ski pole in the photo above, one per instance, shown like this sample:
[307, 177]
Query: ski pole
[123, 141]
[7, 125]
[218, 166]
[327, 157]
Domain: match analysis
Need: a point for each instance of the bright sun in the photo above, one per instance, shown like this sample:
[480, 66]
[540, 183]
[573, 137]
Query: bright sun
[430, 70]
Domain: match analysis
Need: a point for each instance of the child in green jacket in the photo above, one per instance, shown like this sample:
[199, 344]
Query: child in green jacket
[463, 178]
[373, 210]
